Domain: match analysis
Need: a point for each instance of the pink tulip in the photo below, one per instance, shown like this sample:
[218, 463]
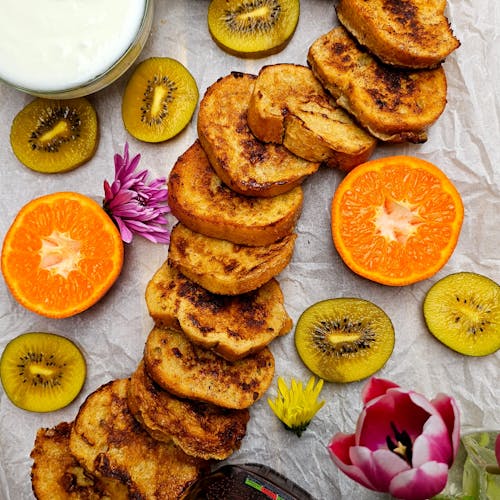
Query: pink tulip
[404, 444]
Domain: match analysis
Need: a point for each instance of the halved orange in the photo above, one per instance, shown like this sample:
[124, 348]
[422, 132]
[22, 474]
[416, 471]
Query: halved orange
[396, 220]
[61, 254]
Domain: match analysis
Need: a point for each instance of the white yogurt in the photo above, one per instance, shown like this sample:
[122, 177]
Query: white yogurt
[51, 45]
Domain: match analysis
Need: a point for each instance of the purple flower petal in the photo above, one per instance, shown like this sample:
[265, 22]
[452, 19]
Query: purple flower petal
[135, 206]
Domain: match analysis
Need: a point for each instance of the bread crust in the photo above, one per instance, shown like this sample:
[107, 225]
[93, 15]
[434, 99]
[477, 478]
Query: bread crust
[203, 203]
[411, 33]
[289, 106]
[108, 441]
[232, 326]
[57, 475]
[395, 105]
[223, 267]
[192, 372]
[245, 164]
[199, 429]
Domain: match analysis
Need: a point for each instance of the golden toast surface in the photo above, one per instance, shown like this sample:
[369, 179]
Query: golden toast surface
[108, 441]
[200, 429]
[192, 372]
[200, 200]
[223, 267]
[395, 105]
[245, 164]
[289, 106]
[409, 33]
[56, 474]
[233, 326]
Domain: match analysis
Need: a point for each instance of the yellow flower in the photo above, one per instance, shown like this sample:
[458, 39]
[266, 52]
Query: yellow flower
[296, 406]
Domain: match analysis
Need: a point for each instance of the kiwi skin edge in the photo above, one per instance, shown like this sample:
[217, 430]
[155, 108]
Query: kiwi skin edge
[462, 311]
[372, 332]
[257, 54]
[42, 372]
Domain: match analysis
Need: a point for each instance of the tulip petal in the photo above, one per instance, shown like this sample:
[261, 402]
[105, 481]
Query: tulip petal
[379, 466]
[420, 483]
[339, 449]
[434, 444]
[448, 409]
[376, 387]
[398, 407]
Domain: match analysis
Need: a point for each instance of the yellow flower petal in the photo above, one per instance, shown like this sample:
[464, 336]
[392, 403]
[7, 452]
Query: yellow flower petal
[296, 406]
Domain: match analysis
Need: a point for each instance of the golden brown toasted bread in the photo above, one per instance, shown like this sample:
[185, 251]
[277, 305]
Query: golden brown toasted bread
[200, 200]
[108, 441]
[162, 296]
[56, 474]
[290, 107]
[192, 372]
[223, 267]
[409, 33]
[200, 429]
[395, 105]
[245, 164]
[233, 326]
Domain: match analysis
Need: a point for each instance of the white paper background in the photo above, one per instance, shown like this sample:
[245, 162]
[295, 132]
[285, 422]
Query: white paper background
[464, 143]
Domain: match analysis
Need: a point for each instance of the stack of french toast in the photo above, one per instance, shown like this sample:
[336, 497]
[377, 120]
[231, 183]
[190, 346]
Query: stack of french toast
[237, 195]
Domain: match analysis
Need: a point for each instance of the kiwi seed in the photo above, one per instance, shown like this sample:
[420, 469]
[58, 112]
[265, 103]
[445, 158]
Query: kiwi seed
[42, 372]
[52, 136]
[344, 339]
[252, 28]
[462, 310]
[159, 99]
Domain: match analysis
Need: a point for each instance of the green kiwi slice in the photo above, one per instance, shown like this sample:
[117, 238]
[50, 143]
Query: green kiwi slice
[462, 310]
[42, 372]
[253, 28]
[52, 136]
[159, 100]
[344, 339]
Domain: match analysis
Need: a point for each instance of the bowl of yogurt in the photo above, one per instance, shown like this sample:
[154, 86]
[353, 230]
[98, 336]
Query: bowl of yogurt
[70, 48]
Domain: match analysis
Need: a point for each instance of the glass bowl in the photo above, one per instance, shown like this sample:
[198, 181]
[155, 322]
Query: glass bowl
[121, 64]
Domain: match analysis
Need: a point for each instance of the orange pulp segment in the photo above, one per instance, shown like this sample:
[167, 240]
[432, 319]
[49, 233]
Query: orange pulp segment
[396, 220]
[61, 254]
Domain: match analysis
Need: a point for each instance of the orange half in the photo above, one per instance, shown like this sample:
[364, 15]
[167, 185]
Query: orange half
[396, 220]
[61, 254]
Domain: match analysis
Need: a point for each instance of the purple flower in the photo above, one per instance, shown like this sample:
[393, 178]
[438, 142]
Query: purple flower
[404, 444]
[134, 205]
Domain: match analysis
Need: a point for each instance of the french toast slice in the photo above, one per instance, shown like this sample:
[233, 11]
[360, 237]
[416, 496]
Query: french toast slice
[245, 164]
[223, 267]
[232, 326]
[57, 475]
[200, 429]
[394, 105]
[410, 33]
[189, 371]
[289, 106]
[108, 441]
[203, 203]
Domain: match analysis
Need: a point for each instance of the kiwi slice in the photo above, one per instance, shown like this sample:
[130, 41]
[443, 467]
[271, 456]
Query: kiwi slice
[42, 372]
[52, 136]
[159, 99]
[462, 310]
[344, 339]
[253, 28]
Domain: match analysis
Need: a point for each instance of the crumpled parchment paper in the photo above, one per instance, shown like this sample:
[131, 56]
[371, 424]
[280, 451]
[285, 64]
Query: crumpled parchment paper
[465, 143]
